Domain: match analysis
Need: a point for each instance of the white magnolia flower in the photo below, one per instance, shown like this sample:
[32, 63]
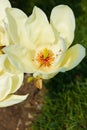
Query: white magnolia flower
[40, 47]
[10, 78]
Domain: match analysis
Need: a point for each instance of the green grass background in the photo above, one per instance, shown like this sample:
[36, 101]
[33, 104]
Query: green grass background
[65, 105]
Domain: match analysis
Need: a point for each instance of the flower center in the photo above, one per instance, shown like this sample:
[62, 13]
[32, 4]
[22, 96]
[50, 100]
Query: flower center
[45, 58]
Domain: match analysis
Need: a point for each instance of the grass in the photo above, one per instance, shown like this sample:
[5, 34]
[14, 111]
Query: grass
[65, 106]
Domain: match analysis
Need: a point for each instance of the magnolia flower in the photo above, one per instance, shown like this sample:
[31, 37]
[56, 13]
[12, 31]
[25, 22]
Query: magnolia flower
[10, 78]
[40, 47]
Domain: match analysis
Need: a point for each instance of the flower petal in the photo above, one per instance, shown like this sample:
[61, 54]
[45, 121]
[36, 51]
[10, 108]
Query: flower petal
[73, 57]
[58, 49]
[10, 81]
[7, 66]
[5, 85]
[17, 81]
[38, 28]
[49, 75]
[3, 5]
[21, 59]
[63, 20]
[16, 25]
[12, 99]
[4, 36]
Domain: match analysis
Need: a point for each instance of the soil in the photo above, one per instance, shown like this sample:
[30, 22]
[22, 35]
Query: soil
[22, 115]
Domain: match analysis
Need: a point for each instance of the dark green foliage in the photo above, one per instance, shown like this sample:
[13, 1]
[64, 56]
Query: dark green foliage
[46, 5]
[65, 105]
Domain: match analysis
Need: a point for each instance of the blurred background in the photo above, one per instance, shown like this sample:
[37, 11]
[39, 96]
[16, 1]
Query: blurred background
[65, 102]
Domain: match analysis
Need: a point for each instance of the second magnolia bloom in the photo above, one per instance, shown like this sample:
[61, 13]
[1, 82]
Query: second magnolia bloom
[40, 47]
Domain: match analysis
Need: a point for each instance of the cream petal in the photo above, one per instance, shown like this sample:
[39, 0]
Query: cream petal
[58, 49]
[4, 37]
[48, 75]
[38, 28]
[17, 81]
[3, 5]
[2, 60]
[16, 26]
[20, 57]
[12, 99]
[5, 85]
[63, 20]
[9, 81]
[73, 57]
[7, 37]
[7, 66]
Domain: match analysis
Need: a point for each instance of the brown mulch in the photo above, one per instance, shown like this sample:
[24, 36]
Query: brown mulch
[21, 116]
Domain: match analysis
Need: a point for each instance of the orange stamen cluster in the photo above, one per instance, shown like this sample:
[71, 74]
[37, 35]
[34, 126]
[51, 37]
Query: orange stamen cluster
[45, 58]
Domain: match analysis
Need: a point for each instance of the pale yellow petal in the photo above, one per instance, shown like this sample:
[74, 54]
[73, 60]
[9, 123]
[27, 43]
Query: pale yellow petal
[12, 99]
[48, 75]
[21, 58]
[3, 5]
[6, 65]
[38, 28]
[63, 20]
[58, 49]
[10, 81]
[16, 26]
[4, 37]
[5, 85]
[73, 57]
[17, 80]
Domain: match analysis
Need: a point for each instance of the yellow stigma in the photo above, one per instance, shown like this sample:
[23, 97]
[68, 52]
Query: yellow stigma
[45, 53]
[45, 57]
